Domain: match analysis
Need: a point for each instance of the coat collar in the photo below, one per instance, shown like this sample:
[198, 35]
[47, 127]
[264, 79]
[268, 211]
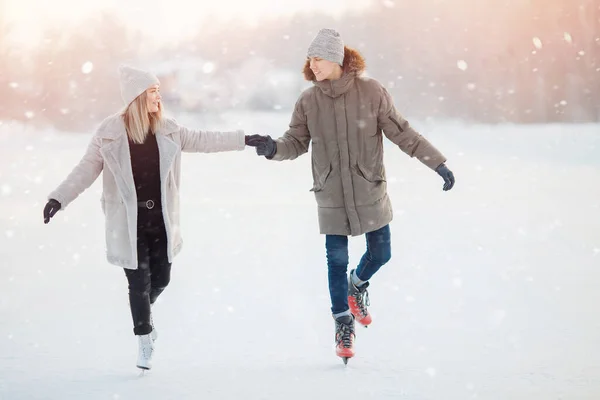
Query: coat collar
[337, 87]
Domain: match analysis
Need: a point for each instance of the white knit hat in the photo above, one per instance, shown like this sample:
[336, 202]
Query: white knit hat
[328, 45]
[134, 82]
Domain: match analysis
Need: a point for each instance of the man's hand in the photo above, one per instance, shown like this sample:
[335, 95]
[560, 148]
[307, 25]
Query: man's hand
[265, 145]
[448, 176]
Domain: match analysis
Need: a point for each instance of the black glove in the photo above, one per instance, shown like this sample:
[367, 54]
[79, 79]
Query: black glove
[51, 208]
[251, 140]
[448, 176]
[265, 145]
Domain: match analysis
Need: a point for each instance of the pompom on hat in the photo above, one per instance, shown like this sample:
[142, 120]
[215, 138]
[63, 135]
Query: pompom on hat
[134, 81]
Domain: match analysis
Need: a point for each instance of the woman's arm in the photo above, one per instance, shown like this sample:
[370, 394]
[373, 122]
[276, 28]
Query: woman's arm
[210, 142]
[82, 176]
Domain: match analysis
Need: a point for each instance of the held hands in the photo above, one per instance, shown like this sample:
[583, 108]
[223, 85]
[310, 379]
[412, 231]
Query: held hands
[448, 176]
[51, 208]
[265, 145]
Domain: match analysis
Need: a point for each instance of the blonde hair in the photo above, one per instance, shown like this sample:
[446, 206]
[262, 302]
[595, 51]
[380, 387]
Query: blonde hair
[139, 121]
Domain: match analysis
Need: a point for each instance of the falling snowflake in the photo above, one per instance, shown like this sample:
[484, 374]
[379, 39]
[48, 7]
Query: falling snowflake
[568, 37]
[388, 3]
[471, 86]
[87, 67]
[208, 67]
[537, 42]
[13, 85]
[29, 114]
[462, 65]
[6, 190]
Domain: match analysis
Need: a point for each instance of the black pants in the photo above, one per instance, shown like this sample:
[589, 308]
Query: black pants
[153, 274]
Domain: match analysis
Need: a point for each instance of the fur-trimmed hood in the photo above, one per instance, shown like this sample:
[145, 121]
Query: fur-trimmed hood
[354, 64]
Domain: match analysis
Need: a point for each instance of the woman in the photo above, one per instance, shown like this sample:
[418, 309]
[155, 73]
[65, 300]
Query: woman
[344, 115]
[139, 153]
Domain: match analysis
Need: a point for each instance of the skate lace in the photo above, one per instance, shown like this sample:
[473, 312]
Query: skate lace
[345, 333]
[146, 349]
[362, 300]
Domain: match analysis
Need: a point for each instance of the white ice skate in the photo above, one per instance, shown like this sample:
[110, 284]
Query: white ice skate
[146, 348]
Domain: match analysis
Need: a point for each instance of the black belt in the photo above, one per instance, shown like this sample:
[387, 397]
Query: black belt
[149, 204]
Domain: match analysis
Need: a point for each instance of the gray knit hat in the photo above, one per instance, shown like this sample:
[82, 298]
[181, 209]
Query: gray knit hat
[328, 45]
[134, 82]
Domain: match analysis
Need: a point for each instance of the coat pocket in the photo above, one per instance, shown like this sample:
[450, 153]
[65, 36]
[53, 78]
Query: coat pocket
[369, 175]
[117, 229]
[398, 125]
[369, 187]
[320, 178]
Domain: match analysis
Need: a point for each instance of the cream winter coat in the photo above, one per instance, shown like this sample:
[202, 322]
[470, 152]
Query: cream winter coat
[108, 152]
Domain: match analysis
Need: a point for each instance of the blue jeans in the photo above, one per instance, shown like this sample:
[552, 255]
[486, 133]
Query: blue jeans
[379, 252]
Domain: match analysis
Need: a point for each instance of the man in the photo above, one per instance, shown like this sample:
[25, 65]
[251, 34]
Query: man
[344, 116]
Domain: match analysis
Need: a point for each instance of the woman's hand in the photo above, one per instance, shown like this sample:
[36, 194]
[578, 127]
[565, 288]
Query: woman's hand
[51, 209]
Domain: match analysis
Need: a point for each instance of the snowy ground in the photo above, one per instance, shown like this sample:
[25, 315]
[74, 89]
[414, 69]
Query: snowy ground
[492, 291]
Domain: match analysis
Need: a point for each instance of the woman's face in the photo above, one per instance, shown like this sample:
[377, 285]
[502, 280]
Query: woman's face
[323, 69]
[153, 98]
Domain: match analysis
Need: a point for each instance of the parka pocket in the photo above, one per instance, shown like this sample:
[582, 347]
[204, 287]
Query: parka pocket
[368, 175]
[395, 122]
[369, 187]
[320, 178]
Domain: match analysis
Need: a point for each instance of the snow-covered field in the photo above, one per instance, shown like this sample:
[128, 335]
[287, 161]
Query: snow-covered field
[493, 291]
